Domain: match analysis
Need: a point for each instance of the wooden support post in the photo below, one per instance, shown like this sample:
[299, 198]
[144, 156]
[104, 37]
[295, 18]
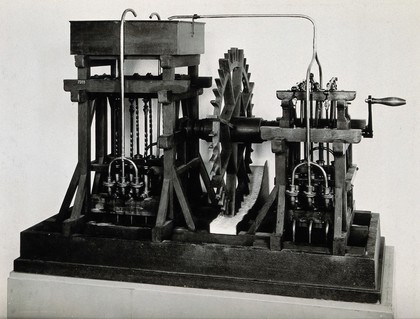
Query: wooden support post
[84, 120]
[193, 145]
[171, 179]
[164, 202]
[101, 144]
[343, 121]
[169, 119]
[340, 210]
[279, 148]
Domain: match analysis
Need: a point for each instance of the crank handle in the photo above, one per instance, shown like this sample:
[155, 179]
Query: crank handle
[389, 101]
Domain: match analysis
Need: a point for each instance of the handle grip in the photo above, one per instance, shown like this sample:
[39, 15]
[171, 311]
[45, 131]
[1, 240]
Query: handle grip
[390, 101]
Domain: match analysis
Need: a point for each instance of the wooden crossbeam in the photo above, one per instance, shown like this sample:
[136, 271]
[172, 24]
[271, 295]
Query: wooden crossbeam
[131, 86]
[185, 207]
[206, 180]
[317, 95]
[317, 135]
[65, 206]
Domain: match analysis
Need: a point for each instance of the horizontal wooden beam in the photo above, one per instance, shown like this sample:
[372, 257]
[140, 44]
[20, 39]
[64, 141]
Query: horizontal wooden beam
[354, 123]
[317, 135]
[174, 61]
[204, 237]
[317, 95]
[131, 86]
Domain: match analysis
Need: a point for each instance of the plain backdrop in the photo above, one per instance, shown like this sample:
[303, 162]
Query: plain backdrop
[371, 46]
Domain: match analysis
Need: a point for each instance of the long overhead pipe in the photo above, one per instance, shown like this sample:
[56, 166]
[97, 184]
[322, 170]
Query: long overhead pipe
[308, 71]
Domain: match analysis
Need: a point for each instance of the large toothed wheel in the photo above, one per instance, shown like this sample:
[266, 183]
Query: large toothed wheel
[231, 160]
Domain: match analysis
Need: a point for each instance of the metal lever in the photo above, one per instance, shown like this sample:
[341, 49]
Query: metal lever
[389, 101]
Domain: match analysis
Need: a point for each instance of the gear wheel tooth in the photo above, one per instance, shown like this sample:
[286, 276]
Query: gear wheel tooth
[219, 84]
[251, 107]
[225, 66]
[217, 94]
[232, 54]
[226, 55]
[221, 75]
[215, 103]
[240, 55]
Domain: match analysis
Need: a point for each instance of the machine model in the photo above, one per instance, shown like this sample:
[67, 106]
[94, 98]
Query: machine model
[150, 208]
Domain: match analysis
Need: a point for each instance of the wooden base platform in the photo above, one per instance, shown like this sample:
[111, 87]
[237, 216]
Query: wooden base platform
[44, 296]
[242, 263]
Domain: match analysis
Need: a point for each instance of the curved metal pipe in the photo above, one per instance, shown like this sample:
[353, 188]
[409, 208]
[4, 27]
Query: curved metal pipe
[136, 171]
[314, 58]
[154, 14]
[122, 82]
[309, 177]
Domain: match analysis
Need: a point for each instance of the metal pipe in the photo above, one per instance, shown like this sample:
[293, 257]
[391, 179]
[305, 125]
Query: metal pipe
[145, 110]
[151, 127]
[310, 163]
[123, 159]
[122, 42]
[154, 14]
[314, 58]
[137, 129]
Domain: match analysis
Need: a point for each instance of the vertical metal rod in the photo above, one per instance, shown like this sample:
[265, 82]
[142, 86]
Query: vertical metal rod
[158, 110]
[132, 110]
[150, 125]
[117, 136]
[137, 129]
[328, 144]
[145, 110]
[158, 127]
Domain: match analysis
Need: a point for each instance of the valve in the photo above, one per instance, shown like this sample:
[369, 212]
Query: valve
[123, 185]
[293, 193]
[328, 196]
[136, 185]
[310, 194]
[109, 184]
[389, 101]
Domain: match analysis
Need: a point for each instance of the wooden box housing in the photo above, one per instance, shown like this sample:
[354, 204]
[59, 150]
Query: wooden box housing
[141, 37]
